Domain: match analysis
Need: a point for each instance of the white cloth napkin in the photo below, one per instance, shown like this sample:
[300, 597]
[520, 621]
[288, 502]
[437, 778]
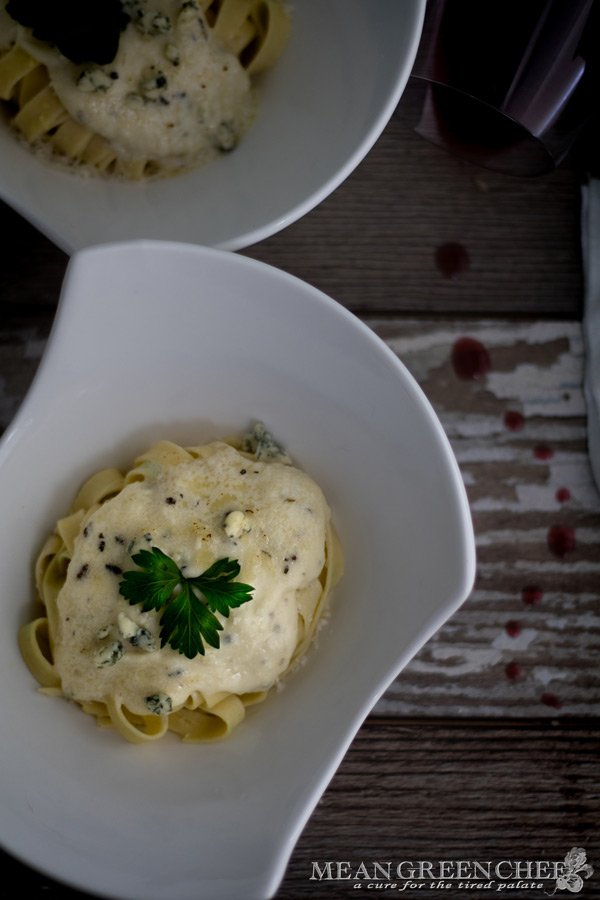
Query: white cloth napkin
[590, 231]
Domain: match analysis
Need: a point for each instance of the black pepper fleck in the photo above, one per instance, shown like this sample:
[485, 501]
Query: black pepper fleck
[171, 501]
[83, 571]
[116, 570]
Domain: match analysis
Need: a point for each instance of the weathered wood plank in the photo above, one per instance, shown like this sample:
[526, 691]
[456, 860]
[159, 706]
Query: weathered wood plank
[526, 642]
[380, 242]
[426, 791]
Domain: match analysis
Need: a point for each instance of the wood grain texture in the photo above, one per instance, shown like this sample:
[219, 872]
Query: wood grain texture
[372, 245]
[428, 791]
[526, 642]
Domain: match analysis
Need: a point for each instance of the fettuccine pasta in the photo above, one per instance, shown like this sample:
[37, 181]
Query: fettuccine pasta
[197, 504]
[178, 93]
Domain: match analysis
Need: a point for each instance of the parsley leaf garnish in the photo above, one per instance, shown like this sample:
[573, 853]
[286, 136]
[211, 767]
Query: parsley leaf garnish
[187, 605]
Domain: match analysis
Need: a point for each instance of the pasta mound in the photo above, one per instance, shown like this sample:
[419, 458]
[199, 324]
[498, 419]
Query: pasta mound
[199, 502]
[177, 94]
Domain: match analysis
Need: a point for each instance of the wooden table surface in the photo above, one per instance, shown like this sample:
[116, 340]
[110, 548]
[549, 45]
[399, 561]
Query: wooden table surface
[486, 746]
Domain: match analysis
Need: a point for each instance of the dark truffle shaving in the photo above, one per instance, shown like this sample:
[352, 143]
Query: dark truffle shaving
[85, 31]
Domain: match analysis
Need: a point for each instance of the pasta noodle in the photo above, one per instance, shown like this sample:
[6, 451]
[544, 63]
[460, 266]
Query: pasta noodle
[178, 93]
[287, 549]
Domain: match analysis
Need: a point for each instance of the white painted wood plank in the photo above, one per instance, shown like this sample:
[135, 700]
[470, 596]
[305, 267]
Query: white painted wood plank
[519, 435]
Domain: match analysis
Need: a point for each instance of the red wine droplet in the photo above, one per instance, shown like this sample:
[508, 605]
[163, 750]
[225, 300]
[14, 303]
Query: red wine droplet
[561, 540]
[513, 671]
[452, 259]
[550, 699]
[563, 494]
[514, 420]
[543, 452]
[513, 628]
[531, 595]
[470, 359]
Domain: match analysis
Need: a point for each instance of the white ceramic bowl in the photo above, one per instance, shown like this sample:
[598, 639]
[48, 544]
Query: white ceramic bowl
[159, 340]
[321, 109]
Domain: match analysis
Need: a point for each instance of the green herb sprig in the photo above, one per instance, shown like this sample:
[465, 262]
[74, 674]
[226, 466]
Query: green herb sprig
[187, 605]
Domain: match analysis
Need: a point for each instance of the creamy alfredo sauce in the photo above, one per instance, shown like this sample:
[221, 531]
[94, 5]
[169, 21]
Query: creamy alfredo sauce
[172, 94]
[269, 516]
